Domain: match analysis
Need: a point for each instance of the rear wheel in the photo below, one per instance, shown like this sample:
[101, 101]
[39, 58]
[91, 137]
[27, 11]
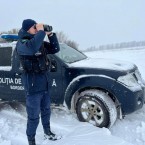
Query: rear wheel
[97, 108]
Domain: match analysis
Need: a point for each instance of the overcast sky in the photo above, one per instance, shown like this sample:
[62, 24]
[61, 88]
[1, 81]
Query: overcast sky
[88, 22]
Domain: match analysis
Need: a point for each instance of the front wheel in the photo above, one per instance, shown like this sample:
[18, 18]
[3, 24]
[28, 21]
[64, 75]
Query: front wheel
[97, 108]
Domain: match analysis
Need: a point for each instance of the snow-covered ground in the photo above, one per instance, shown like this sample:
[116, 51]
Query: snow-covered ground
[130, 131]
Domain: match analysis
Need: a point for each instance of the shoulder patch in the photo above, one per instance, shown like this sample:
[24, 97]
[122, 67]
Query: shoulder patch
[24, 40]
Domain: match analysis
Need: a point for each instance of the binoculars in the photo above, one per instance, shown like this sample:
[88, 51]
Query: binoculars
[47, 28]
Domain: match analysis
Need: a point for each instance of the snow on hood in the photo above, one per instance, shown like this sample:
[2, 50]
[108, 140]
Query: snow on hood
[104, 64]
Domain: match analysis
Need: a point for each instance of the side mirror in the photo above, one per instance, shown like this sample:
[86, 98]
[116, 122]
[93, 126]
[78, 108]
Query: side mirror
[53, 67]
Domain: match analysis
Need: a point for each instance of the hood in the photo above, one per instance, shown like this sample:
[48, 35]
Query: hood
[24, 35]
[102, 63]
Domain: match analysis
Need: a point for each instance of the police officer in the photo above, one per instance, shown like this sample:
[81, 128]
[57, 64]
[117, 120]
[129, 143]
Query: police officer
[32, 51]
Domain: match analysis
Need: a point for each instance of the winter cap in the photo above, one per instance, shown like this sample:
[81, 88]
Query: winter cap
[27, 24]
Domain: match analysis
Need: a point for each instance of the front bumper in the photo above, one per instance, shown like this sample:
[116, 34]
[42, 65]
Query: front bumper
[136, 102]
[132, 97]
[130, 101]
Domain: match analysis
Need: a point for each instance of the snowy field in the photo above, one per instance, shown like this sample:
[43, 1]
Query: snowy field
[130, 131]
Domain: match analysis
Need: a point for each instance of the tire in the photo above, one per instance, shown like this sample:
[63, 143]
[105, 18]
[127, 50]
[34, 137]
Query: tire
[97, 108]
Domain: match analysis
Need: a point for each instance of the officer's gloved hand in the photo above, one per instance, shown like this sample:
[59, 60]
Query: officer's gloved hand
[49, 34]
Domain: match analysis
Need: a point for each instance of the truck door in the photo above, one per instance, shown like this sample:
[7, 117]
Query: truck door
[55, 80]
[10, 85]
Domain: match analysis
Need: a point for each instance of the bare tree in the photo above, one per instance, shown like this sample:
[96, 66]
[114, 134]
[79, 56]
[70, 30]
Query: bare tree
[13, 31]
[63, 38]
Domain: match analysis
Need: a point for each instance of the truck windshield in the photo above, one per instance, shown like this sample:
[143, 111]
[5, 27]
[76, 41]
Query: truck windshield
[69, 54]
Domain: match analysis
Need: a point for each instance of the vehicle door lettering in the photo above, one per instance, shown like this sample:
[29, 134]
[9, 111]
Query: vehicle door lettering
[54, 83]
[6, 81]
[16, 87]
[18, 81]
[10, 81]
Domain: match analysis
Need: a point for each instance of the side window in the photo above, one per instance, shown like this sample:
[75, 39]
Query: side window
[5, 56]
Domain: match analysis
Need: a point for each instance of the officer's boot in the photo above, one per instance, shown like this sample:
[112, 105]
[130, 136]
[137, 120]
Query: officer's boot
[32, 142]
[49, 135]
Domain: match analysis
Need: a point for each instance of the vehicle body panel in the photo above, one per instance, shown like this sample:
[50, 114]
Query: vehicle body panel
[66, 78]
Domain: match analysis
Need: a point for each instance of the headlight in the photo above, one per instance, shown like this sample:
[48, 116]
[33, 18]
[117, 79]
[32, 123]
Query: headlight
[130, 81]
[139, 78]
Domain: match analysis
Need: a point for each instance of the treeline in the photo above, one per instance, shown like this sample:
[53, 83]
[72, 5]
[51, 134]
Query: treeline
[117, 46]
[62, 38]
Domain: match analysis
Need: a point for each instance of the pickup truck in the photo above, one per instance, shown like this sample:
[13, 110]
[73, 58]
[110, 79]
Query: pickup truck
[98, 90]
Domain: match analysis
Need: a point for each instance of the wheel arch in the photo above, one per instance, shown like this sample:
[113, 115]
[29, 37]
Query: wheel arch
[87, 82]
[76, 96]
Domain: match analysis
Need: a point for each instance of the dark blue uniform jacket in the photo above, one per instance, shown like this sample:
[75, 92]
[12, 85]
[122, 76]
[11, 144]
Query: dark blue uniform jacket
[29, 45]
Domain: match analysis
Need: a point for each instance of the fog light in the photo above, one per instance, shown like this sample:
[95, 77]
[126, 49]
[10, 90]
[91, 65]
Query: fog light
[139, 102]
